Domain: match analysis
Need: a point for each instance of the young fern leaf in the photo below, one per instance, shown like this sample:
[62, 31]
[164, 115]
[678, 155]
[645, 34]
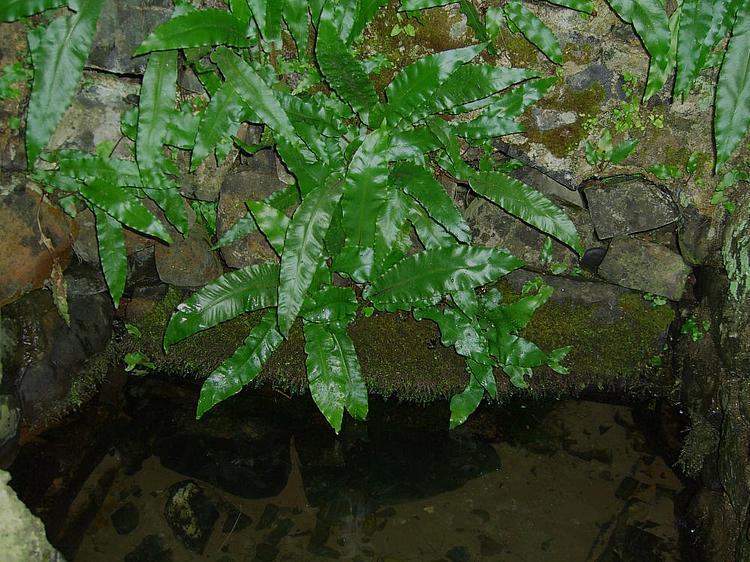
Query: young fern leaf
[112, 254]
[234, 293]
[59, 53]
[732, 112]
[199, 28]
[241, 368]
[12, 10]
[534, 30]
[527, 204]
[346, 75]
[304, 249]
[271, 222]
[298, 22]
[464, 404]
[220, 119]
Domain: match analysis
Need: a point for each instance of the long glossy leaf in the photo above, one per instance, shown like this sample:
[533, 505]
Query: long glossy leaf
[87, 167]
[234, 293]
[419, 182]
[438, 272]
[527, 204]
[304, 249]
[472, 82]
[418, 82]
[112, 254]
[411, 5]
[298, 23]
[220, 119]
[585, 6]
[411, 145]
[366, 10]
[243, 366]
[430, 233]
[167, 196]
[271, 222]
[345, 74]
[466, 403]
[246, 225]
[459, 331]
[703, 23]
[334, 374]
[652, 25]
[331, 305]
[732, 111]
[200, 28]
[125, 207]
[240, 10]
[12, 10]
[256, 93]
[59, 53]
[534, 30]
[156, 107]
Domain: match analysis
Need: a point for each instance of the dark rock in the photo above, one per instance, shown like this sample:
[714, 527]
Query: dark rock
[548, 186]
[646, 267]
[49, 355]
[592, 258]
[10, 422]
[596, 73]
[550, 119]
[236, 521]
[489, 546]
[696, 236]
[94, 115]
[266, 552]
[122, 27]
[24, 260]
[152, 548]
[190, 514]
[245, 468]
[267, 518]
[494, 228]
[248, 183]
[632, 544]
[458, 554]
[626, 206]
[627, 488]
[188, 262]
[126, 519]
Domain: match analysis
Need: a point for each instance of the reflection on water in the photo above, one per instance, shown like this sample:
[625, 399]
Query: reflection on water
[570, 481]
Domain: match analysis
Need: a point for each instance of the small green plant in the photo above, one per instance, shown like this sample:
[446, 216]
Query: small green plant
[729, 179]
[694, 329]
[13, 74]
[138, 363]
[402, 28]
[604, 152]
[655, 300]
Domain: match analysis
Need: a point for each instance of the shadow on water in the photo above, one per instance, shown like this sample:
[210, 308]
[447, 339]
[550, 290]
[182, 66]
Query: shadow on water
[262, 477]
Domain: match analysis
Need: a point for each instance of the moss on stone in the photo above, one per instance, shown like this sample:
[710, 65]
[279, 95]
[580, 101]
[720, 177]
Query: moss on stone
[586, 104]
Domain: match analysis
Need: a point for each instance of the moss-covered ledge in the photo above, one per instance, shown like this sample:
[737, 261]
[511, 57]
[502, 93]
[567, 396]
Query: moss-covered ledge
[616, 335]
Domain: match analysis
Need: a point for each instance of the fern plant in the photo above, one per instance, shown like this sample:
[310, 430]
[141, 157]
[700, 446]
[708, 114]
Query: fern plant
[365, 165]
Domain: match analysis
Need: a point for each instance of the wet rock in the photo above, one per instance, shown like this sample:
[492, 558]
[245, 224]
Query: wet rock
[596, 73]
[266, 552]
[646, 267]
[628, 206]
[10, 421]
[489, 546]
[458, 554]
[122, 27]
[243, 467]
[629, 543]
[190, 514]
[592, 258]
[24, 260]
[548, 186]
[249, 183]
[236, 521]
[49, 355]
[152, 548]
[698, 238]
[126, 519]
[94, 116]
[494, 228]
[188, 262]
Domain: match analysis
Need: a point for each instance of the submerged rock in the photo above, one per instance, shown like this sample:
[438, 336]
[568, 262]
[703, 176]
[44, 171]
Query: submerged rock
[152, 548]
[190, 514]
[126, 518]
[628, 206]
[645, 266]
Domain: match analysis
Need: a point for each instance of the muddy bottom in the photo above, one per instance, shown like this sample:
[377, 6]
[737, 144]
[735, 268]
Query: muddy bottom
[566, 481]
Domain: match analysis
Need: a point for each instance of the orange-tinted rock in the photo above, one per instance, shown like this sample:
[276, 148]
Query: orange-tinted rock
[25, 262]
